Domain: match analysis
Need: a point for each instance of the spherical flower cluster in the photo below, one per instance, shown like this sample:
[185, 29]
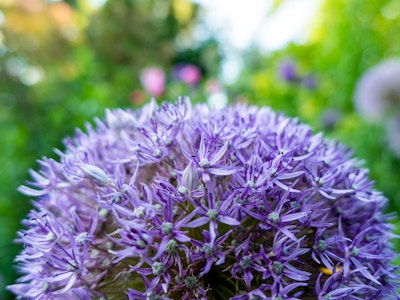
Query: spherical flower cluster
[377, 99]
[377, 94]
[184, 202]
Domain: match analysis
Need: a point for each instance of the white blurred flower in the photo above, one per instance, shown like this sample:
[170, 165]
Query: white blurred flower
[217, 98]
[377, 94]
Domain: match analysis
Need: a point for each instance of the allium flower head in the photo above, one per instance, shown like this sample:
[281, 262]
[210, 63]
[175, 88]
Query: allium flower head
[377, 93]
[184, 202]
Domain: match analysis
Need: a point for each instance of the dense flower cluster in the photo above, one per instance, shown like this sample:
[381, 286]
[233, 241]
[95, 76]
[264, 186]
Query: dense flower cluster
[183, 202]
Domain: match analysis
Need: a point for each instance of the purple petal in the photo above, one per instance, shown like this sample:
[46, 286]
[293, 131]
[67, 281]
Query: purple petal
[69, 284]
[285, 187]
[219, 154]
[31, 192]
[289, 175]
[221, 172]
[198, 222]
[294, 216]
[228, 220]
[363, 270]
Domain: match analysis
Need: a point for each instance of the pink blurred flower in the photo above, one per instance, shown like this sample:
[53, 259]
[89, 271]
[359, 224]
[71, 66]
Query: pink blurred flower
[187, 73]
[153, 80]
[213, 86]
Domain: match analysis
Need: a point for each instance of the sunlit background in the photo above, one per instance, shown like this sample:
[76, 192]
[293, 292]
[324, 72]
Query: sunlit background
[63, 62]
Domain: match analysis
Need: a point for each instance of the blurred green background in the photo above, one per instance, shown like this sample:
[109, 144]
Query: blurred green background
[63, 62]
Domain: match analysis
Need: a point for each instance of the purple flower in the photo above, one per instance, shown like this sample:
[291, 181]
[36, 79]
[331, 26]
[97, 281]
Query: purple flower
[330, 118]
[287, 71]
[310, 81]
[186, 202]
[377, 94]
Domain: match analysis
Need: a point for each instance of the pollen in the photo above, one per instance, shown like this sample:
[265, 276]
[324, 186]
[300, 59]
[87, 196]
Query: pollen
[329, 272]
